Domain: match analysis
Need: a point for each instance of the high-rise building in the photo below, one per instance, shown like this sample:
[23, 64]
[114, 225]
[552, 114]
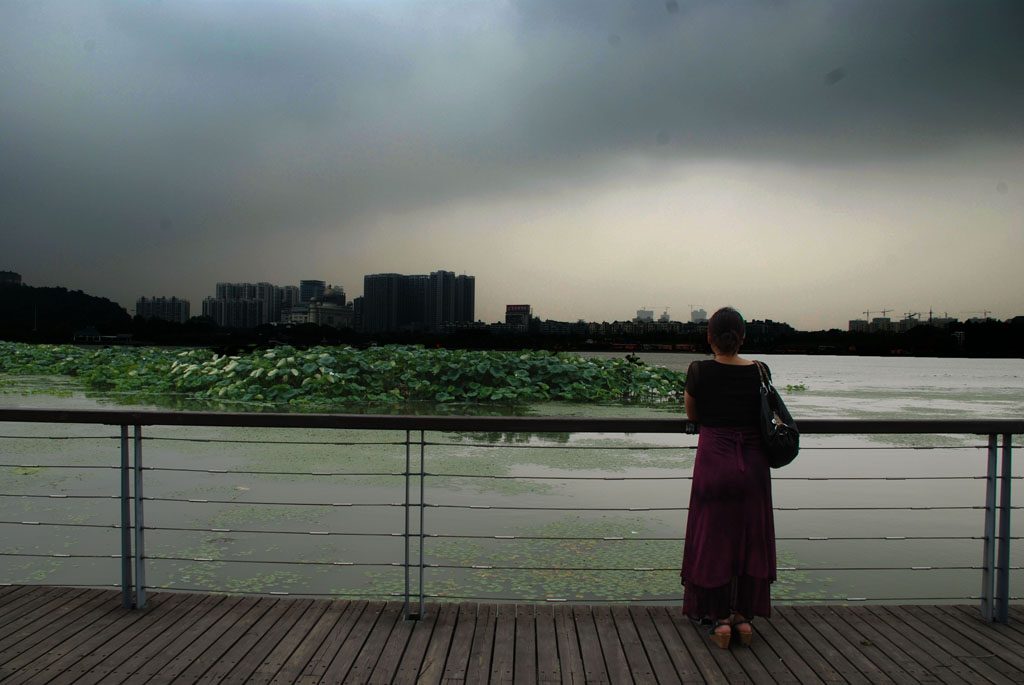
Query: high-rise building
[380, 302]
[396, 302]
[517, 316]
[247, 305]
[289, 296]
[164, 308]
[465, 299]
[311, 290]
[10, 278]
[440, 300]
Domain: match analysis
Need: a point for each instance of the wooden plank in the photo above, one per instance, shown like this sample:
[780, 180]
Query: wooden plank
[163, 629]
[296, 634]
[432, 665]
[209, 638]
[329, 648]
[860, 643]
[937, 662]
[156, 653]
[768, 658]
[1016, 613]
[503, 655]
[6, 590]
[594, 668]
[548, 670]
[246, 614]
[871, 638]
[219, 613]
[26, 593]
[462, 642]
[611, 646]
[795, 654]
[350, 649]
[971, 618]
[1013, 628]
[41, 607]
[17, 593]
[684, 663]
[760, 662]
[238, 655]
[478, 668]
[239, 612]
[118, 647]
[981, 634]
[946, 639]
[662, 668]
[29, 601]
[33, 655]
[326, 624]
[716, 665]
[811, 636]
[366, 660]
[409, 667]
[525, 660]
[569, 658]
[393, 649]
[33, 626]
[632, 648]
[903, 671]
[259, 653]
[79, 643]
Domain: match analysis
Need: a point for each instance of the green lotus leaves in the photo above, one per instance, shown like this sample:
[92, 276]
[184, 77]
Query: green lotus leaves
[325, 377]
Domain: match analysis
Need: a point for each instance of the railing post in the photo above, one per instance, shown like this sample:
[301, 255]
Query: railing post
[1002, 595]
[140, 535]
[423, 506]
[126, 522]
[408, 475]
[988, 557]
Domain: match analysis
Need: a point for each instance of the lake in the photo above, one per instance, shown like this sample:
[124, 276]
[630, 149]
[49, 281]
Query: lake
[535, 477]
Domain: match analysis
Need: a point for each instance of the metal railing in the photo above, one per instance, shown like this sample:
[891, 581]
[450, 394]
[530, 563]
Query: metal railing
[996, 539]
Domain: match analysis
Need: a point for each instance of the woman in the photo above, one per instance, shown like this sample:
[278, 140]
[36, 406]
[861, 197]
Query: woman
[729, 554]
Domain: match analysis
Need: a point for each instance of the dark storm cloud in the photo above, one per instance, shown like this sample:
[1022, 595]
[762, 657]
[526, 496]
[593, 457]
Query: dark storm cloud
[133, 126]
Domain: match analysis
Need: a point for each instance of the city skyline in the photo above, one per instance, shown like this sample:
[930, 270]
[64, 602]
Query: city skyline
[802, 160]
[866, 316]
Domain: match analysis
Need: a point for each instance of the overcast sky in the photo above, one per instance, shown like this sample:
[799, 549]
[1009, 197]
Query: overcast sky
[802, 160]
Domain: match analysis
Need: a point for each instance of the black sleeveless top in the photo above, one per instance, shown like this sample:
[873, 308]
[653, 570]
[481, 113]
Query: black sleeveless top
[728, 396]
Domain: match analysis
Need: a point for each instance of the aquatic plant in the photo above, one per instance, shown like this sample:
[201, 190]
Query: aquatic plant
[326, 376]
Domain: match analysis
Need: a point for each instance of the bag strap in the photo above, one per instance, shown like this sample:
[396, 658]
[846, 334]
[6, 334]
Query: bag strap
[765, 381]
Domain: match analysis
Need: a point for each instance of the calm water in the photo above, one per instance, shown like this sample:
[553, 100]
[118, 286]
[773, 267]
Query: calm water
[583, 471]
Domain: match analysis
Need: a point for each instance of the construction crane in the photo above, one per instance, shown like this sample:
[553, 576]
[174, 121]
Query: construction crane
[885, 311]
[867, 314]
[983, 312]
[912, 315]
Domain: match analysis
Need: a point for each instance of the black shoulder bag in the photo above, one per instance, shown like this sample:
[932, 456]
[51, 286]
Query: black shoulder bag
[781, 437]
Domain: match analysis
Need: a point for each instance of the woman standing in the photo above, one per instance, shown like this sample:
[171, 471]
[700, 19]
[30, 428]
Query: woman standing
[729, 553]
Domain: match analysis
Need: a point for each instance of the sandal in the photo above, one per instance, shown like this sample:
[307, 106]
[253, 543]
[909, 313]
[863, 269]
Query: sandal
[721, 639]
[746, 636]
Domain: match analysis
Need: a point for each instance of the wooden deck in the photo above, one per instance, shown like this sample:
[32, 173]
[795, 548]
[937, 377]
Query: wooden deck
[69, 635]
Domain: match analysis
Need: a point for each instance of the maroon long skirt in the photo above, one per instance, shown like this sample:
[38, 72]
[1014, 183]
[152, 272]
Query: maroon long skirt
[730, 530]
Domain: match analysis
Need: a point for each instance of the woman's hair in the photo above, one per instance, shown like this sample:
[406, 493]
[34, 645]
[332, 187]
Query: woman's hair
[726, 330]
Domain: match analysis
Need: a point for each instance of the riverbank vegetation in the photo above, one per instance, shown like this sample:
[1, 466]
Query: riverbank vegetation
[332, 377]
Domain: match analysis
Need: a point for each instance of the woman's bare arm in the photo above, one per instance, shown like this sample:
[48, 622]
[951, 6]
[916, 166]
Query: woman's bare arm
[691, 406]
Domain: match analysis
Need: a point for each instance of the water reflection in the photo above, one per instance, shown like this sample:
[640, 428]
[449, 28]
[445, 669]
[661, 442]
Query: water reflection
[505, 438]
